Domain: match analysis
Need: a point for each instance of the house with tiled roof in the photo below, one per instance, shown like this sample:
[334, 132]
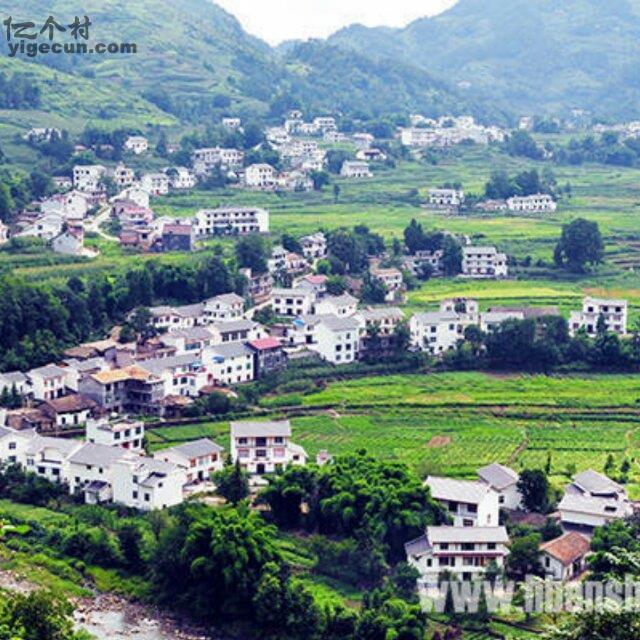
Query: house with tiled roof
[68, 411]
[199, 458]
[269, 356]
[504, 482]
[565, 557]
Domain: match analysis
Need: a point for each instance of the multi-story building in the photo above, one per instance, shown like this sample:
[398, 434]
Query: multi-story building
[446, 198]
[337, 340]
[483, 262]
[436, 332]
[269, 356]
[469, 503]
[341, 306]
[355, 169]
[156, 184]
[87, 177]
[231, 221]
[136, 144]
[222, 308]
[260, 176]
[613, 313]
[536, 203]
[314, 247]
[264, 447]
[464, 552]
[124, 433]
[230, 364]
[391, 278]
[47, 382]
[207, 159]
[292, 302]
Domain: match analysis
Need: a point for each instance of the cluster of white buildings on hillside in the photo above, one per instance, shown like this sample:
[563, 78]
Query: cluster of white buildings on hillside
[109, 464]
[447, 131]
[474, 540]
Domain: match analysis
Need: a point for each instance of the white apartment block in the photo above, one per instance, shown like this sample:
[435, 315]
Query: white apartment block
[469, 503]
[391, 278]
[386, 319]
[136, 144]
[223, 308]
[199, 459]
[156, 184]
[483, 262]
[230, 364]
[337, 340]
[436, 332]
[86, 177]
[89, 470]
[48, 382]
[230, 221]
[464, 552]
[264, 447]
[504, 482]
[46, 457]
[122, 433]
[260, 176]
[147, 484]
[613, 312]
[537, 203]
[446, 197]
[292, 302]
[355, 169]
[180, 178]
[314, 246]
[341, 306]
[206, 159]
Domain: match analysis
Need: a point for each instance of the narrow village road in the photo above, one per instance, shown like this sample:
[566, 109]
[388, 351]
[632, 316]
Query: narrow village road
[93, 224]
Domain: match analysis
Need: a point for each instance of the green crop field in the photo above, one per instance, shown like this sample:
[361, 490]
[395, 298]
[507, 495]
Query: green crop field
[454, 423]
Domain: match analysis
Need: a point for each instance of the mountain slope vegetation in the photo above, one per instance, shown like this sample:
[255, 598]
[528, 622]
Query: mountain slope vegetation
[540, 56]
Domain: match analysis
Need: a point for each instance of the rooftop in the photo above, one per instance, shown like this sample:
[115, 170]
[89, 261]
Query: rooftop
[498, 476]
[195, 449]
[98, 455]
[260, 429]
[436, 535]
[467, 491]
[567, 548]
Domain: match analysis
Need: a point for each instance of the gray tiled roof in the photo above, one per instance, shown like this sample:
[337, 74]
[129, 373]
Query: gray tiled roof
[334, 323]
[468, 491]
[195, 449]
[437, 535]
[594, 506]
[260, 429]
[596, 483]
[231, 350]
[417, 547]
[97, 455]
[498, 476]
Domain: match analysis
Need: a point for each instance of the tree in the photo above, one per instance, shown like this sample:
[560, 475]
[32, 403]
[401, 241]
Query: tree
[336, 193]
[533, 486]
[161, 146]
[291, 243]
[252, 252]
[611, 622]
[524, 556]
[580, 245]
[320, 179]
[232, 483]
[7, 205]
[373, 290]
[451, 256]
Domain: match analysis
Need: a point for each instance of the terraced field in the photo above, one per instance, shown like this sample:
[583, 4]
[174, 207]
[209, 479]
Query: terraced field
[454, 423]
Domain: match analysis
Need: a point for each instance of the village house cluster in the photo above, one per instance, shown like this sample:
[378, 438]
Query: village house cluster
[474, 539]
[109, 464]
[447, 131]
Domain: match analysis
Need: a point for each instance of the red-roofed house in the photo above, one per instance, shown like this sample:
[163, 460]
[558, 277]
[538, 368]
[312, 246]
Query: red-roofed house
[268, 356]
[564, 557]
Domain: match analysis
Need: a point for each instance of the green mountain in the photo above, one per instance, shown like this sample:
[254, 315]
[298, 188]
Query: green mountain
[529, 56]
[194, 61]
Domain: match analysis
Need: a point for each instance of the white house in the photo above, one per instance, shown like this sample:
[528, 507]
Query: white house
[314, 246]
[14, 444]
[292, 302]
[240, 330]
[71, 204]
[504, 482]
[435, 332]
[206, 159]
[230, 364]
[183, 375]
[613, 312]
[124, 433]
[47, 382]
[180, 178]
[469, 503]
[536, 203]
[147, 484]
[464, 552]
[71, 240]
[47, 456]
[565, 557]
[355, 169]
[231, 221]
[233, 124]
[224, 307]
[199, 459]
[391, 278]
[483, 262]
[592, 500]
[337, 339]
[264, 447]
[260, 176]
[156, 184]
[86, 177]
[344, 305]
[448, 198]
[136, 144]
[386, 319]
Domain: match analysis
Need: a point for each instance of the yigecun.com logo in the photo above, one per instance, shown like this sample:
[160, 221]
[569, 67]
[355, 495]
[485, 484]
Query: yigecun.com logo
[26, 38]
